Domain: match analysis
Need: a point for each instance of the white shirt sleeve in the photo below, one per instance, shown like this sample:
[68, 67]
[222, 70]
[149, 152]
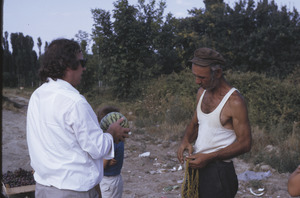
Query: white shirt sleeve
[86, 128]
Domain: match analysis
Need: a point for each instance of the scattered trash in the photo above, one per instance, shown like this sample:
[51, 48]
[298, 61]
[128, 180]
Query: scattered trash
[152, 172]
[170, 188]
[179, 168]
[179, 181]
[146, 154]
[161, 170]
[258, 194]
[251, 175]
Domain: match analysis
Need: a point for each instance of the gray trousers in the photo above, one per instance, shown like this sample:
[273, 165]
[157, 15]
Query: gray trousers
[42, 191]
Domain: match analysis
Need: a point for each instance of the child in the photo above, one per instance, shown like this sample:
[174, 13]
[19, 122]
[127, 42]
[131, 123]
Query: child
[112, 182]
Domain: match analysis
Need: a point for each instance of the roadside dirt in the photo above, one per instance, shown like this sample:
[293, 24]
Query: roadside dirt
[150, 167]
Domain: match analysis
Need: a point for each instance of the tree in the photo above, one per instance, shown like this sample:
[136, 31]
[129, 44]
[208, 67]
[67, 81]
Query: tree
[39, 44]
[9, 76]
[262, 39]
[84, 40]
[128, 47]
[103, 43]
[24, 59]
[89, 77]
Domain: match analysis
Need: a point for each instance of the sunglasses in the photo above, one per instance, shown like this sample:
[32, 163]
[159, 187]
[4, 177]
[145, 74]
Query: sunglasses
[83, 62]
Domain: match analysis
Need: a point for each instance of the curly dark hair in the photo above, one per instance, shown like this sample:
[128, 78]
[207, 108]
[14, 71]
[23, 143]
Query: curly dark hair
[60, 54]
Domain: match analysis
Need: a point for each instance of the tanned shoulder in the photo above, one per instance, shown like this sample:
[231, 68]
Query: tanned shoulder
[236, 100]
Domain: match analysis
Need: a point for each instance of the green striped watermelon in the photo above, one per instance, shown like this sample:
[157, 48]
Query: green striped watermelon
[111, 118]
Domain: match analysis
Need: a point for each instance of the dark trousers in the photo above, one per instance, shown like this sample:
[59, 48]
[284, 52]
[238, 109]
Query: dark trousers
[217, 180]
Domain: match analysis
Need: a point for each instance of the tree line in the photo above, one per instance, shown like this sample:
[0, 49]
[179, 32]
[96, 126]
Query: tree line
[137, 43]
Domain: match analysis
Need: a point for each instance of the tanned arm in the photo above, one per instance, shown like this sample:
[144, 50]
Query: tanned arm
[294, 183]
[190, 135]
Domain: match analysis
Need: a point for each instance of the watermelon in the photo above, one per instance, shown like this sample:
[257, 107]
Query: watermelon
[111, 118]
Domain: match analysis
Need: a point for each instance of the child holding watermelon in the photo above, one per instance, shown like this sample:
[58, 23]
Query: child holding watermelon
[112, 182]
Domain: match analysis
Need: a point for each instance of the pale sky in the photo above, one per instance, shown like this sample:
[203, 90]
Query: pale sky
[51, 19]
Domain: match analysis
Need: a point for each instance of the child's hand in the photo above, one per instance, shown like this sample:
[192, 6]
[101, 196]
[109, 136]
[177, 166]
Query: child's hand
[112, 162]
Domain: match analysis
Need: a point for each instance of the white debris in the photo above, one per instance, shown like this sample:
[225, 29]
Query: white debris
[179, 168]
[161, 170]
[146, 154]
[256, 194]
[251, 175]
[152, 172]
[179, 181]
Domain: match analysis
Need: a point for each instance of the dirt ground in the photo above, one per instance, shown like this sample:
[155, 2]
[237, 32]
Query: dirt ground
[150, 169]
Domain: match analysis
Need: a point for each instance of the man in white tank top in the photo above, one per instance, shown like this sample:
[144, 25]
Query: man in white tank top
[219, 130]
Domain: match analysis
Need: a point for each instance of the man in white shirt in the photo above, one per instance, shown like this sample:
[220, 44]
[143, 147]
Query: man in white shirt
[65, 142]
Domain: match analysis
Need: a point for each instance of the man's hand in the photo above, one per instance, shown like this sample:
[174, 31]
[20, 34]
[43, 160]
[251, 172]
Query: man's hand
[112, 162]
[119, 133]
[198, 160]
[184, 146]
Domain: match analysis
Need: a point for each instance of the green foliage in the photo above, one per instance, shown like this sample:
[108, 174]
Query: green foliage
[168, 99]
[21, 65]
[89, 77]
[138, 45]
[271, 102]
[260, 39]
[274, 106]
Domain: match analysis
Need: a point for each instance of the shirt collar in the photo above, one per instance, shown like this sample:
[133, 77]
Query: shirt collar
[63, 83]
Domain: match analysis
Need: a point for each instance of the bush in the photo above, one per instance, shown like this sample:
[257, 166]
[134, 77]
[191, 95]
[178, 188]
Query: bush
[170, 98]
[271, 102]
[274, 106]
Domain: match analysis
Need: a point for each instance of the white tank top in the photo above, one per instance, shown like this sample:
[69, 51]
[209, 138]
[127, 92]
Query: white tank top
[212, 136]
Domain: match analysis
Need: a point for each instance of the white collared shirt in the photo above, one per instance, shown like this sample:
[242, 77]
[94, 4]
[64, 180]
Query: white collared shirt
[65, 142]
